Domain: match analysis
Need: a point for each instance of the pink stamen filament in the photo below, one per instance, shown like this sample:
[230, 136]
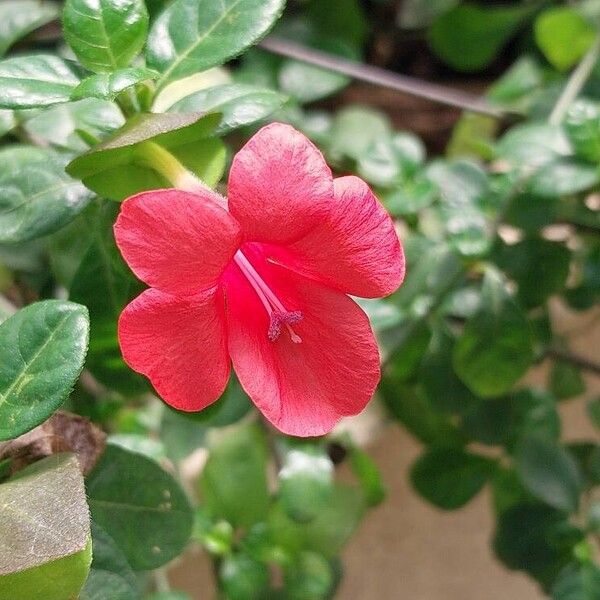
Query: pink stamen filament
[278, 313]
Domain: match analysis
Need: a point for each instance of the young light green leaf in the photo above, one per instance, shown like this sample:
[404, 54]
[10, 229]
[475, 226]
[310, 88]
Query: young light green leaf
[105, 34]
[32, 81]
[549, 472]
[243, 577]
[107, 86]
[110, 575]
[495, 348]
[190, 36]
[563, 35]
[42, 349]
[37, 197]
[45, 549]
[450, 477]
[234, 480]
[239, 104]
[140, 506]
[20, 17]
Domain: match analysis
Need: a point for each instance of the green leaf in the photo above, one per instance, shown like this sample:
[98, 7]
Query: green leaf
[527, 539]
[582, 124]
[105, 34]
[563, 177]
[239, 104]
[593, 410]
[563, 35]
[110, 575]
[305, 482]
[450, 477]
[115, 168]
[369, 476]
[577, 582]
[566, 381]
[539, 267]
[36, 196]
[328, 533]
[494, 349]
[468, 37]
[189, 37]
[309, 577]
[20, 17]
[42, 350]
[45, 549]
[463, 209]
[62, 125]
[549, 472]
[234, 480]
[32, 81]
[141, 507]
[104, 284]
[107, 86]
[243, 578]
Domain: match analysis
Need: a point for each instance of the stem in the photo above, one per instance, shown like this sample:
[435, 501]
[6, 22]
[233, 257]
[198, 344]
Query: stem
[161, 581]
[576, 82]
[163, 162]
[572, 359]
[370, 74]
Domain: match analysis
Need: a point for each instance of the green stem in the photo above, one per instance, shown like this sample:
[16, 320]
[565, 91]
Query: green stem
[576, 82]
[163, 162]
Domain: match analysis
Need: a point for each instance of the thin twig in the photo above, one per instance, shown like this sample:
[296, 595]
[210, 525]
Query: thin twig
[574, 360]
[376, 75]
[576, 82]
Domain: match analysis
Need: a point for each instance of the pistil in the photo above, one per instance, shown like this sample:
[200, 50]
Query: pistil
[279, 316]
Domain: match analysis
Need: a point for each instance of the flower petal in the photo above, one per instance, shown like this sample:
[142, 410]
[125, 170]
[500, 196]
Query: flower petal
[176, 241]
[302, 388]
[355, 250]
[179, 344]
[279, 185]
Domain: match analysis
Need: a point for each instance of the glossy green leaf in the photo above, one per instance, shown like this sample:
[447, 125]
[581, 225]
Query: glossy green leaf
[116, 169]
[141, 507]
[305, 482]
[42, 350]
[495, 348]
[468, 37]
[593, 411]
[577, 582]
[62, 125]
[234, 480]
[45, 549]
[309, 577]
[104, 284]
[110, 575]
[418, 14]
[369, 476]
[243, 578]
[239, 104]
[539, 267]
[563, 35]
[20, 17]
[32, 81]
[527, 538]
[107, 86]
[549, 472]
[450, 477]
[189, 37]
[36, 196]
[564, 177]
[105, 34]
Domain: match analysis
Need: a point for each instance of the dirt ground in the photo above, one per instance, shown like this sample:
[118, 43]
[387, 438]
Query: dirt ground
[408, 550]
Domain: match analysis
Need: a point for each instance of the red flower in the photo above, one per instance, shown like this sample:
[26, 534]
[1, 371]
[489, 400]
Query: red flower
[263, 284]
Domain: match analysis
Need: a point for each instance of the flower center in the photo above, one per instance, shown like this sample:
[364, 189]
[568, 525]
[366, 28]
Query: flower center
[279, 316]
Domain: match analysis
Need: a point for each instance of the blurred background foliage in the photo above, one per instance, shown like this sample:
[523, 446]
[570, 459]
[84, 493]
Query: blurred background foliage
[500, 217]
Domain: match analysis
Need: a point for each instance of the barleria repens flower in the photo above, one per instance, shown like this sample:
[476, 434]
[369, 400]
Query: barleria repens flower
[261, 281]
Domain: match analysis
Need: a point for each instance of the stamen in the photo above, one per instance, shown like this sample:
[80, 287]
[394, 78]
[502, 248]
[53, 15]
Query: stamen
[278, 314]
